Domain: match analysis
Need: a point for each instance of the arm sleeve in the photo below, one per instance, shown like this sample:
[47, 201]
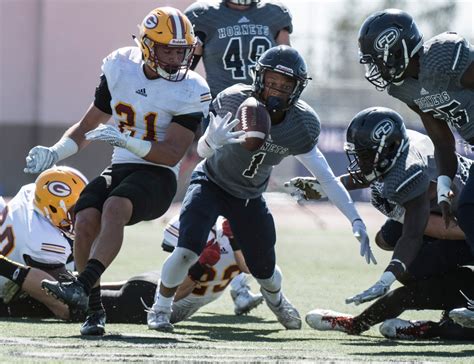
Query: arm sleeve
[102, 96]
[189, 121]
[316, 163]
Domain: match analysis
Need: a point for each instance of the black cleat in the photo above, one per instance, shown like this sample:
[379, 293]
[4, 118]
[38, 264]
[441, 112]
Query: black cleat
[71, 293]
[94, 324]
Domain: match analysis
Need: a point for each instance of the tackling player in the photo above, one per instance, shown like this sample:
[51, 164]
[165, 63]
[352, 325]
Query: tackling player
[156, 103]
[436, 80]
[399, 168]
[231, 180]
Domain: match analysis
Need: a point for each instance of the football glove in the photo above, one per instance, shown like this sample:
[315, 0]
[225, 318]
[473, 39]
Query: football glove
[40, 158]
[226, 230]
[360, 233]
[211, 254]
[307, 188]
[380, 288]
[219, 133]
[111, 135]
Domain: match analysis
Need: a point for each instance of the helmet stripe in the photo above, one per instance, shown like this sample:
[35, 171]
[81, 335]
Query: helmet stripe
[178, 25]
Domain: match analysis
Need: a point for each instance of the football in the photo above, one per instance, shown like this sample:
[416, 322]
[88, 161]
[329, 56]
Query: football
[255, 121]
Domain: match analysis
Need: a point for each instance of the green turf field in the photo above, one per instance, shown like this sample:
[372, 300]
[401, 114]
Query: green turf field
[320, 262]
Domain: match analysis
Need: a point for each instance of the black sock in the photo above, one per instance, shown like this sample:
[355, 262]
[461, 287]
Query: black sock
[95, 301]
[13, 271]
[91, 274]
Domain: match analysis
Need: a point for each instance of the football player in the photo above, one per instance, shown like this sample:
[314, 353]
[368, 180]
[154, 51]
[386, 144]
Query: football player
[398, 165]
[232, 34]
[156, 103]
[230, 182]
[33, 226]
[436, 80]
[219, 264]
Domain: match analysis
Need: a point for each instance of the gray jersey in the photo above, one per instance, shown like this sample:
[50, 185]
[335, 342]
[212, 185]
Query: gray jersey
[245, 174]
[234, 39]
[438, 90]
[410, 177]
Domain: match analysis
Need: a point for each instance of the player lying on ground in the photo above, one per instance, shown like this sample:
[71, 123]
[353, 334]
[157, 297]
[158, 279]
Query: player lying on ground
[33, 226]
[439, 292]
[219, 264]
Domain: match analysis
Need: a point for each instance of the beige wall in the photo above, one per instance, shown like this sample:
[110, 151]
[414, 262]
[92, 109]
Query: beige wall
[51, 52]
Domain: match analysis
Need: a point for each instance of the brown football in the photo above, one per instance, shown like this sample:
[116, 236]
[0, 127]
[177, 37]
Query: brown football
[255, 121]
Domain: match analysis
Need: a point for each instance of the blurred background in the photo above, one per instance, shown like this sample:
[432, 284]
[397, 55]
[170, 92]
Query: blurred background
[51, 52]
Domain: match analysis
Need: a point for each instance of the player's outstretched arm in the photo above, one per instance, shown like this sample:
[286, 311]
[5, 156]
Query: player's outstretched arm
[316, 163]
[41, 158]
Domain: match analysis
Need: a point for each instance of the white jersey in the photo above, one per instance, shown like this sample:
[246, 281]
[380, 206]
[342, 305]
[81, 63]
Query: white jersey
[24, 231]
[214, 283]
[145, 107]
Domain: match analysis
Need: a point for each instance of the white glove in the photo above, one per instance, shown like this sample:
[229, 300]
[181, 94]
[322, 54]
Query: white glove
[307, 188]
[219, 133]
[380, 288]
[111, 135]
[360, 233]
[40, 158]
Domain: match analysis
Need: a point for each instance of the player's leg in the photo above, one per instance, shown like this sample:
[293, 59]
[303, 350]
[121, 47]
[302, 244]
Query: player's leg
[88, 211]
[254, 228]
[465, 315]
[199, 212]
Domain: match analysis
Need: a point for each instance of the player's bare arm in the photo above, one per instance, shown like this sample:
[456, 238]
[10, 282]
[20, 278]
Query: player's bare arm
[283, 37]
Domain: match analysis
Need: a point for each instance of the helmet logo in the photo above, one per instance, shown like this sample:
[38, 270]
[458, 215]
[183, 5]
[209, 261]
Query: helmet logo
[284, 69]
[58, 188]
[151, 22]
[383, 128]
[387, 38]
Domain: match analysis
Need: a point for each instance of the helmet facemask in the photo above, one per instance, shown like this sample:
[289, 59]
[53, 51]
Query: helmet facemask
[243, 2]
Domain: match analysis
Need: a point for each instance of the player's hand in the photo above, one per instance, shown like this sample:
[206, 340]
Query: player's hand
[445, 197]
[219, 133]
[307, 188]
[360, 233]
[380, 288]
[109, 134]
[39, 159]
[226, 230]
[211, 254]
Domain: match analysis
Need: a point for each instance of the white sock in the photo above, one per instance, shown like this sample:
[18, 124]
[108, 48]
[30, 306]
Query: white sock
[272, 287]
[240, 281]
[163, 303]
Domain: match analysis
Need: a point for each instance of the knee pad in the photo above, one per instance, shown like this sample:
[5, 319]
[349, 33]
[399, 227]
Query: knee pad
[272, 284]
[176, 267]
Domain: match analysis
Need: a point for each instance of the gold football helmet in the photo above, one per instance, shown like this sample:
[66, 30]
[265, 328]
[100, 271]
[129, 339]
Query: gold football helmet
[56, 193]
[167, 42]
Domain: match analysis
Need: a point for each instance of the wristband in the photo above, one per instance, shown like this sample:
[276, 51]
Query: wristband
[387, 278]
[196, 271]
[65, 147]
[203, 148]
[138, 147]
[443, 187]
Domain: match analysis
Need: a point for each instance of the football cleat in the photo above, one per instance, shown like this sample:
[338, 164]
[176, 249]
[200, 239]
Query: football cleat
[159, 320]
[244, 300]
[403, 329]
[463, 317]
[182, 310]
[70, 292]
[286, 313]
[327, 320]
[94, 324]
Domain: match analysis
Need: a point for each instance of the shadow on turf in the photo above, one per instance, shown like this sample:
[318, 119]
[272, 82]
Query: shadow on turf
[416, 347]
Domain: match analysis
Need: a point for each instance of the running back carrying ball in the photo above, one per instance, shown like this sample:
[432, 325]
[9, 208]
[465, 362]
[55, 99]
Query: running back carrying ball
[255, 121]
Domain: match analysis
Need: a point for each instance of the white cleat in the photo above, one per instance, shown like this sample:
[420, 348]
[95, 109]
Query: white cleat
[463, 317]
[403, 329]
[286, 313]
[327, 320]
[244, 300]
[159, 320]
